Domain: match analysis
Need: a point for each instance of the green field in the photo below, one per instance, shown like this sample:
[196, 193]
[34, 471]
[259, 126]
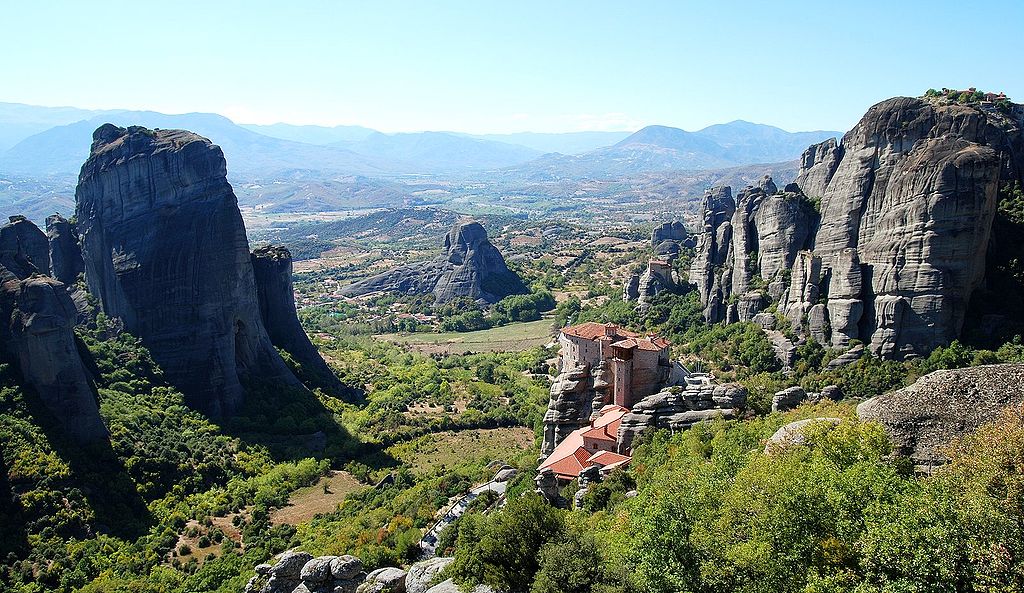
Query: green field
[508, 338]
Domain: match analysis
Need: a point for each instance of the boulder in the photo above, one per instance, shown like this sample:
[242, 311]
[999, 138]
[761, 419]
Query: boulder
[423, 573]
[165, 251]
[449, 586]
[677, 409]
[384, 580]
[925, 417]
[345, 568]
[849, 357]
[788, 398]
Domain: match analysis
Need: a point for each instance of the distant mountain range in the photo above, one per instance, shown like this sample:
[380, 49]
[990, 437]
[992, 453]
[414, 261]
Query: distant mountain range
[662, 148]
[54, 141]
[289, 168]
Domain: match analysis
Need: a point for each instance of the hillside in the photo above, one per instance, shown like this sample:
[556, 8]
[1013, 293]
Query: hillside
[662, 148]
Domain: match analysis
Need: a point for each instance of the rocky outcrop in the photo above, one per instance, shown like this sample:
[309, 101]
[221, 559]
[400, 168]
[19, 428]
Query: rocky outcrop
[788, 398]
[384, 580]
[165, 251]
[470, 267]
[37, 319]
[23, 248]
[66, 261]
[272, 270]
[423, 573]
[449, 586]
[669, 231]
[757, 235]
[679, 408]
[300, 572]
[907, 201]
[571, 404]
[925, 417]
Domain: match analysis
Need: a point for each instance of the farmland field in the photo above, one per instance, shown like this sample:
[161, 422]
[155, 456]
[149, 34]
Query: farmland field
[508, 338]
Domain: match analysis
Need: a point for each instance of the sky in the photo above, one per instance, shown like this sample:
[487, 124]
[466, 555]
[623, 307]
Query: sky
[500, 67]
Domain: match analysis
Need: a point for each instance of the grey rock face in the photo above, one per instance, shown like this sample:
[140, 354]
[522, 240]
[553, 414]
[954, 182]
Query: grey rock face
[818, 324]
[788, 398]
[546, 484]
[679, 409]
[66, 261]
[422, 573]
[631, 288]
[669, 231]
[803, 288]
[913, 188]
[384, 580]
[712, 250]
[299, 572]
[37, 319]
[762, 237]
[469, 267]
[570, 406]
[23, 248]
[925, 417]
[272, 270]
[784, 348]
[906, 202]
[165, 251]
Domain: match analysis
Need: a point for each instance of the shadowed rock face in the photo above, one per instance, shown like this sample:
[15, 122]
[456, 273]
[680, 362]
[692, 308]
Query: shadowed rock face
[907, 203]
[272, 267]
[165, 251]
[23, 248]
[37, 320]
[469, 267]
[66, 261]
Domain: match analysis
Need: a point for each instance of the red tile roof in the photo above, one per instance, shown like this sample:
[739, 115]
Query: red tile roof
[606, 426]
[592, 330]
[652, 344]
[570, 456]
[606, 458]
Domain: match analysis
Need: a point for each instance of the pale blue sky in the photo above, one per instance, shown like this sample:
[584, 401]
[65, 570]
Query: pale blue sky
[479, 66]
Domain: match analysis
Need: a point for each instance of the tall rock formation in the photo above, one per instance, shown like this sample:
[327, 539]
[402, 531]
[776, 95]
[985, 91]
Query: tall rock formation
[66, 261]
[165, 251]
[756, 235]
[37, 320]
[23, 248]
[469, 267]
[272, 267]
[907, 201]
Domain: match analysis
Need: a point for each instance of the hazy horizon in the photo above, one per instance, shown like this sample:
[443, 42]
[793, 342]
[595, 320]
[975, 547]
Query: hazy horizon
[528, 67]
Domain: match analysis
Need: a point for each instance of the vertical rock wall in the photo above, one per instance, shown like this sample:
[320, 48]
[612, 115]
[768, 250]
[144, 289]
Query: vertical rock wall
[165, 251]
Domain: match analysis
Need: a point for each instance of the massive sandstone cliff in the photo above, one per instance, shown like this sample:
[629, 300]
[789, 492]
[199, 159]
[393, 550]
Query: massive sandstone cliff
[37, 319]
[165, 251]
[469, 267]
[907, 201]
[272, 266]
